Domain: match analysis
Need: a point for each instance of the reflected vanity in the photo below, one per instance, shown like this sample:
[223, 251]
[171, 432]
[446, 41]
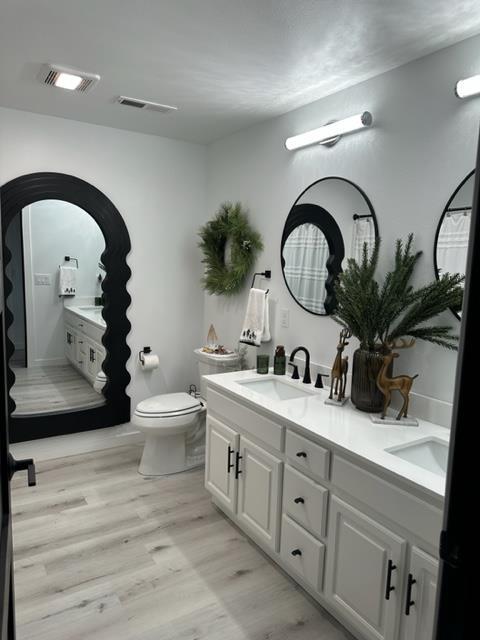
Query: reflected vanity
[330, 220]
[452, 236]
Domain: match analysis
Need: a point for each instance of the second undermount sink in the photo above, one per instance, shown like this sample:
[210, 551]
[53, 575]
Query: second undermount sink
[430, 454]
[275, 389]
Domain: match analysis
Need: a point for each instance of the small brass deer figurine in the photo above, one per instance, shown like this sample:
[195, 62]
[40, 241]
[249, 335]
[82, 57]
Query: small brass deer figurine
[340, 368]
[403, 384]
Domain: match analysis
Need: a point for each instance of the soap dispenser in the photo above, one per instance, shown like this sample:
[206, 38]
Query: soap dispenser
[279, 361]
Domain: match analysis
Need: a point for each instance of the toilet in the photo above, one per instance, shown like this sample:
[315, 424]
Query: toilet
[174, 423]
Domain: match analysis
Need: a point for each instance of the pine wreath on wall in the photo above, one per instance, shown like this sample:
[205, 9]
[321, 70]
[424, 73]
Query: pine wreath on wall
[228, 229]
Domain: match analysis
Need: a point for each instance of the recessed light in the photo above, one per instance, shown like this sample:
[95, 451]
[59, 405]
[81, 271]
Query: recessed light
[67, 81]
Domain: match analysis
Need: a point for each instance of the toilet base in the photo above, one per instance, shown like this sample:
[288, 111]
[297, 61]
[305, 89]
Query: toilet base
[165, 455]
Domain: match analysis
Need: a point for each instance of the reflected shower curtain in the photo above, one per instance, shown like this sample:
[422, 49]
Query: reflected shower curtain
[452, 243]
[363, 231]
[306, 254]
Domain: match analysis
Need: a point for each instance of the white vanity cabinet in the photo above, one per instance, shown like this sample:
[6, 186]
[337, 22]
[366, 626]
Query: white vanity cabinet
[82, 344]
[245, 480]
[349, 533]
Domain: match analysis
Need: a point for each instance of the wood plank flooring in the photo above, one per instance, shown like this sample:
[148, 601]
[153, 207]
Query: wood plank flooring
[102, 553]
[53, 389]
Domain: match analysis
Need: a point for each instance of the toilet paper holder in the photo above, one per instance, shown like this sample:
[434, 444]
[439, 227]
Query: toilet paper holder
[144, 352]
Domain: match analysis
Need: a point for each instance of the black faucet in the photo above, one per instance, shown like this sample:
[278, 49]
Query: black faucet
[306, 373]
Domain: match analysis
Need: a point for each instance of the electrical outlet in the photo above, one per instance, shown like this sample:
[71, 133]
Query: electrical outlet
[43, 279]
[285, 318]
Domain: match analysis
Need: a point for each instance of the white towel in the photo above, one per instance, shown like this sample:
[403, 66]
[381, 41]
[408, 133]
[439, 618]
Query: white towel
[67, 281]
[256, 326]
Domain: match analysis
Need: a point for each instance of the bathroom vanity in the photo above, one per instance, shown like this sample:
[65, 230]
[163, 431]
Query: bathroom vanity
[351, 510]
[83, 331]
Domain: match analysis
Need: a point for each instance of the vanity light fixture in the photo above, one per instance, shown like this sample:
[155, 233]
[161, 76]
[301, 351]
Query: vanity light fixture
[330, 133]
[468, 87]
[64, 78]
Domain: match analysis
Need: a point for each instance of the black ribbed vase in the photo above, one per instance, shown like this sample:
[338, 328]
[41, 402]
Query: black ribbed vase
[366, 396]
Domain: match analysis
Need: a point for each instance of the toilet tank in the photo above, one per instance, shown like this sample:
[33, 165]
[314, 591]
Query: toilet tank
[210, 363]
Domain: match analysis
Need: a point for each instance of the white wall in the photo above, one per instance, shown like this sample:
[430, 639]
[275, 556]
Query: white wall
[421, 146]
[159, 187]
[53, 229]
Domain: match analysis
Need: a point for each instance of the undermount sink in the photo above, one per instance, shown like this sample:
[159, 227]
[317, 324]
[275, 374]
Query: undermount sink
[275, 389]
[430, 454]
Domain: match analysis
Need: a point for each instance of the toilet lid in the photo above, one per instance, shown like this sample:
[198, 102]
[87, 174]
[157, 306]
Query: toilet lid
[168, 403]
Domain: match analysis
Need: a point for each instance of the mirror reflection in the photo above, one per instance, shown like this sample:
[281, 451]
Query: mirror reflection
[56, 300]
[453, 232]
[331, 220]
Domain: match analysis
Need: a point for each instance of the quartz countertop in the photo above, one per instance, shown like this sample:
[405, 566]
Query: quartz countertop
[89, 313]
[344, 427]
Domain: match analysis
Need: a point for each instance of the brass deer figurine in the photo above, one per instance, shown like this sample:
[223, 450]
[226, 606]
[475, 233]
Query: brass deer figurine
[403, 384]
[340, 368]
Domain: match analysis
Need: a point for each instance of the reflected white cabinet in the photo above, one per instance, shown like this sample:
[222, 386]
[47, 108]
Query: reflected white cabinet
[259, 492]
[420, 596]
[364, 571]
[85, 354]
[222, 445]
[70, 342]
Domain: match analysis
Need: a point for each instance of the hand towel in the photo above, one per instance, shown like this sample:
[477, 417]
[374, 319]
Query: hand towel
[256, 327]
[67, 281]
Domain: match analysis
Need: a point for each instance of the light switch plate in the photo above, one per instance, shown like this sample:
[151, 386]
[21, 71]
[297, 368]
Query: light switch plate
[285, 318]
[42, 279]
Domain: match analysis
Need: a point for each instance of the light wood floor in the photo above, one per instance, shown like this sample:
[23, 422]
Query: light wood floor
[53, 389]
[102, 553]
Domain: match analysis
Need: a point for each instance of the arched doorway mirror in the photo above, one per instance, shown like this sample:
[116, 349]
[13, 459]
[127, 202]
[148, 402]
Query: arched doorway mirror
[65, 273]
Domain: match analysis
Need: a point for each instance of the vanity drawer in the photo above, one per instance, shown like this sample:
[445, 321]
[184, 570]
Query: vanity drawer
[305, 501]
[308, 455]
[248, 420]
[302, 553]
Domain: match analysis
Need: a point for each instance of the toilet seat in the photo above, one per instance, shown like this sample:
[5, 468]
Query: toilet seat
[171, 413]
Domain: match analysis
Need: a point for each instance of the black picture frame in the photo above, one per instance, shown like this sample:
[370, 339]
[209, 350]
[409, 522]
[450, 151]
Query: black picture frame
[315, 214]
[437, 233]
[18, 194]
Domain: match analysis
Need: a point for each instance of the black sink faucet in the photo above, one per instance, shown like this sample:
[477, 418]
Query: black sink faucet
[306, 373]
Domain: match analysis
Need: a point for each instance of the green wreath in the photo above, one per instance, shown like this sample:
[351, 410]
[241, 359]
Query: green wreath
[229, 224]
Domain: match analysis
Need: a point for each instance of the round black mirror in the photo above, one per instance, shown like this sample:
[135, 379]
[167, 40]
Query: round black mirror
[452, 236]
[330, 220]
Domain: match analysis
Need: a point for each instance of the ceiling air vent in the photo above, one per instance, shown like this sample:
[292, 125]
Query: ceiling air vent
[56, 76]
[146, 105]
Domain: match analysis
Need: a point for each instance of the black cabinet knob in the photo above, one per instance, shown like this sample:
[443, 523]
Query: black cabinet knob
[301, 454]
[299, 501]
[296, 552]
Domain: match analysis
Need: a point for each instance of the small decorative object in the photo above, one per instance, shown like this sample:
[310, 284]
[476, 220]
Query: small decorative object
[339, 371]
[279, 361]
[387, 384]
[378, 313]
[212, 338]
[263, 360]
[230, 225]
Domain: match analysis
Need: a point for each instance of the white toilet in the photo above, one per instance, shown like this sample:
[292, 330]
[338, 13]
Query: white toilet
[174, 423]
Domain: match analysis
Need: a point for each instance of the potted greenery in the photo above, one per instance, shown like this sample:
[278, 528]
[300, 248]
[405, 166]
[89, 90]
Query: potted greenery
[379, 313]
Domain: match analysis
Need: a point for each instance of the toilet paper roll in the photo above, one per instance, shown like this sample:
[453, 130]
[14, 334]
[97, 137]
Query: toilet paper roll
[149, 361]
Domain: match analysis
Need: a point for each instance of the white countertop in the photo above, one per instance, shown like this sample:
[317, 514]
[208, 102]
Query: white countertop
[90, 313]
[344, 427]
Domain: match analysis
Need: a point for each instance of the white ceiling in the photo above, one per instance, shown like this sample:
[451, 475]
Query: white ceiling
[226, 64]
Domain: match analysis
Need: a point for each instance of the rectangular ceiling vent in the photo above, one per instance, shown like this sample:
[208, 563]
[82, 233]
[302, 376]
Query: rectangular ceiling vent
[146, 105]
[65, 78]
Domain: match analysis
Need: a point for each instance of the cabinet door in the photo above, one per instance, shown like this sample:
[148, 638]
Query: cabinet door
[419, 606]
[364, 571]
[259, 492]
[222, 445]
[70, 343]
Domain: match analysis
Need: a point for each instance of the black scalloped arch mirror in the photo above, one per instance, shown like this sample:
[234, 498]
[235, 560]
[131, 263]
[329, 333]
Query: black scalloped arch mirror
[113, 274]
[330, 220]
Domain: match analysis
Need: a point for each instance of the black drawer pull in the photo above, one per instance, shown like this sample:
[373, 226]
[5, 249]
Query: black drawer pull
[389, 587]
[299, 501]
[296, 552]
[301, 454]
[238, 471]
[230, 464]
[409, 603]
